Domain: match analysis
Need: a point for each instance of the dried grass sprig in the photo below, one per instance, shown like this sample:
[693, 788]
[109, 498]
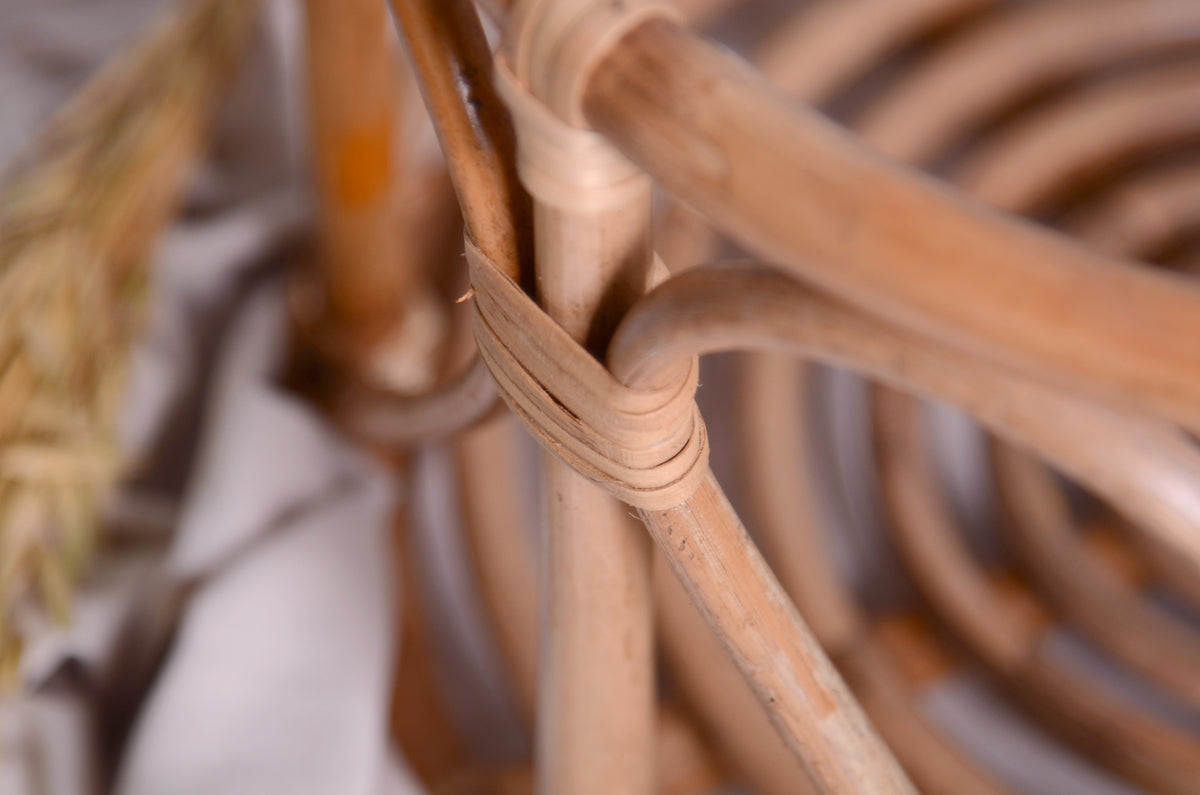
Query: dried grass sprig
[77, 221]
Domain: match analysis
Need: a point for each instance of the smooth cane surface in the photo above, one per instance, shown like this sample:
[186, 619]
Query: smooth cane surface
[958, 412]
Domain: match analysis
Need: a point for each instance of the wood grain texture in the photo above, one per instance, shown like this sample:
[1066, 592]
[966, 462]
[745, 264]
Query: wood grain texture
[734, 589]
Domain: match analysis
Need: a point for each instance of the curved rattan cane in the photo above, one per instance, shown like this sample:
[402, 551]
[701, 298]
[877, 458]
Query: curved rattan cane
[1144, 215]
[774, 464]
[1147, 639]
[886, 272]
[712, 148]
[1021, 155]
[1134, 39]
[1072, 354]
[1017, 153]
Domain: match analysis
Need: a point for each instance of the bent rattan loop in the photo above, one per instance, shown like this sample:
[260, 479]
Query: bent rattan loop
[563, 166]
[648, 448]
[553, 45]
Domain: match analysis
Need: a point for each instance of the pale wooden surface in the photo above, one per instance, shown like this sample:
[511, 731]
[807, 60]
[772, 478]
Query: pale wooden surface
[727, 579]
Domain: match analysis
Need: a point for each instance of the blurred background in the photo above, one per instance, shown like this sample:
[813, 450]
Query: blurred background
[269, 606]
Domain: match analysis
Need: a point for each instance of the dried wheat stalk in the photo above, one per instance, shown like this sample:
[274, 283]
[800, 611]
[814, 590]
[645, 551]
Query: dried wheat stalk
[76, 225]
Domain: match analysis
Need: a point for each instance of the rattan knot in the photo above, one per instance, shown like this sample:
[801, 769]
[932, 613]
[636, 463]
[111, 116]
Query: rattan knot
[647, 448]
[552, 45]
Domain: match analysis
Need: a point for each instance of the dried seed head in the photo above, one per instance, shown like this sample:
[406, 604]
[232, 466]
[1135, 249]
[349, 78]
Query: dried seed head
[77, 220]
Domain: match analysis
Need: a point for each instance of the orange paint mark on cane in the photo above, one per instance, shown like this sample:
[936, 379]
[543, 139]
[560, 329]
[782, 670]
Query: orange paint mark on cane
[363, 166]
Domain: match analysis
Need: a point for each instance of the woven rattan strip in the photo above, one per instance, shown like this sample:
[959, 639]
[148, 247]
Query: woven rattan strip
[648, 448]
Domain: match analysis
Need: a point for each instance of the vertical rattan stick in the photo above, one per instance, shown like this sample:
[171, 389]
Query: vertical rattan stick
[596, 679]
[596, 694]
[596, 689]
[592, 220]
[449, 52]
[500, 540]
[353, 107]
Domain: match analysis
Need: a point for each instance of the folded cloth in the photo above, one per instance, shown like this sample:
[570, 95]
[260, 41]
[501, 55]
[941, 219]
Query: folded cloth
[278, 680]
